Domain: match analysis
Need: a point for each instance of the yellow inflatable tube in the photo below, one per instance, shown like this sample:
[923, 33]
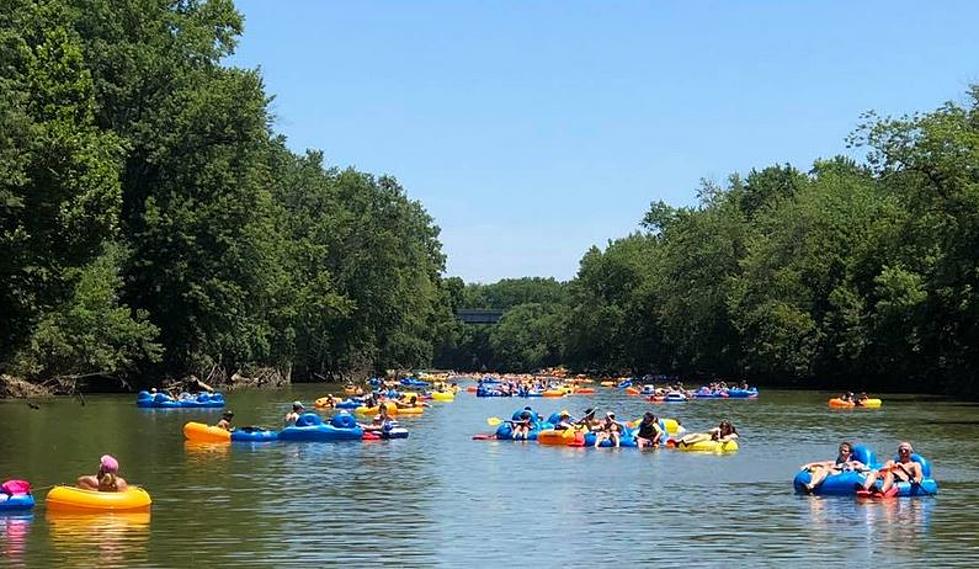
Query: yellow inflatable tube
[866, 403]
[71, 499]
[671, 425]
[710, 446]
[201, 433]
[392, 409]
[552, 437]
[441, 396]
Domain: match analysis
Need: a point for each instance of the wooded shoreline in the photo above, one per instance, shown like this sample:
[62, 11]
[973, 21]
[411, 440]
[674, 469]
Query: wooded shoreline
[153, 224]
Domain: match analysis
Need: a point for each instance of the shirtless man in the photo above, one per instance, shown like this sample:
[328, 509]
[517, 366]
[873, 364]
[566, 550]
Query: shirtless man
[902, 470]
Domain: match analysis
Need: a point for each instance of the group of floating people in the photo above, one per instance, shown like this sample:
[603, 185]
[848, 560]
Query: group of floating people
[855, 471]
[849, 400]
[676, 392]
[543, 386]
[589, 430]
[301, 424]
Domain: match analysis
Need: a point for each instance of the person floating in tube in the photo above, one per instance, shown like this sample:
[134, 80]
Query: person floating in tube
[107, 479]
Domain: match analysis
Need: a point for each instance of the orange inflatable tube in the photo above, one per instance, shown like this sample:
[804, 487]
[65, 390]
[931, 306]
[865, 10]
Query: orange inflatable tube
[201, 433]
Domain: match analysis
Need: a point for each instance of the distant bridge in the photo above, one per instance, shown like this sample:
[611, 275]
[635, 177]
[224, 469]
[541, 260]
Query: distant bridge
[479, 315]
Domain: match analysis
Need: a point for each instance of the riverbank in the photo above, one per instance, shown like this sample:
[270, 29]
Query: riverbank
[17, 388]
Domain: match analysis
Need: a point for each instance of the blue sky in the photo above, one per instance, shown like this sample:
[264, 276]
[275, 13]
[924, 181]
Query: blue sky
[532, 130]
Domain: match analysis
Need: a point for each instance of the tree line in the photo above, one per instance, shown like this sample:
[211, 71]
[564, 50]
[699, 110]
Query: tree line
[153, 224]
[851, 272]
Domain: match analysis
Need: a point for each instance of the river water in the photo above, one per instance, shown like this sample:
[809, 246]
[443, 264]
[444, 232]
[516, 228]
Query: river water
[442, 499]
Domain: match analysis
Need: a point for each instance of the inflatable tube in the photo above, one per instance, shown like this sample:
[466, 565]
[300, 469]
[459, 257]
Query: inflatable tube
[341, 420]
[348, 404]
[443, 396]
[838, 403]
[484, 392]
[632, 391]
[675, 397]
[552, 437]
[16, 502]
[146, 400]
[201, 433]
[625, 383]
[607, 384]
[584, 391]
[710, 446]
[392, 409]
[850, 482]
[627, 439]
[505, 432]
[554, 393]
[310, 427]
[322, 403]
[736, 393]
[394, 433]
[253, 435]
[71, 499]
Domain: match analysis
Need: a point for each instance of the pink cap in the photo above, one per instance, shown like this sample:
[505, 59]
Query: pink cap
[109, 463]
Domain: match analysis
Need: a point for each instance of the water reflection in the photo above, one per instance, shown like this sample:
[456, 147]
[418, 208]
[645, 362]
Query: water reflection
[14, 527]
[440, 499]
[895, 525]
[105, 540]
[206, 451]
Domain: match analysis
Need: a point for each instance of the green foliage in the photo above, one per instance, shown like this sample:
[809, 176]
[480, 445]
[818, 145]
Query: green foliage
[91, 333]
[528, 337]
[508, 293]
[850, 274]
[121, 125]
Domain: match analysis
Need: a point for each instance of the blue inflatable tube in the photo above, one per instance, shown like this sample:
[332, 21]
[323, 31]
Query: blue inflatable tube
[624, 384]
[16, 503]
[505, 432]
[735, 393]
[253, 435]
[394, 433]
[310, 427]
[147, 400]
[627, 439]
[348, 404]
[848, 482]
[490, 393]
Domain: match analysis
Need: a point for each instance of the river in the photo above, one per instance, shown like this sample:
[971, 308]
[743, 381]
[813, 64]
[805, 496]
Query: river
[442, 499]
